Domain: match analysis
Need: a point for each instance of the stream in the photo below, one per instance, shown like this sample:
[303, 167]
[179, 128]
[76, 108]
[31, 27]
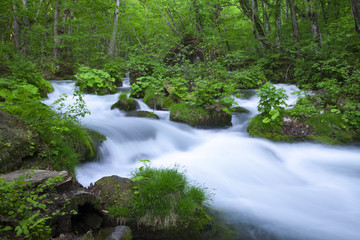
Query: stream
[265, 190]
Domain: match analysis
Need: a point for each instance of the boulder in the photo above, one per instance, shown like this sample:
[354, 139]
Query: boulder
[120, 233]
[199, 117]
[144, 114]
[19, 143]
[114, 190]
[125, 103]
[36, 177]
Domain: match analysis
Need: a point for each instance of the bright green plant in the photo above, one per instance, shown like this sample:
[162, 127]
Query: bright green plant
[95, 81]
[272, 103]
[24, 208]
[164, 198]
[142, 84]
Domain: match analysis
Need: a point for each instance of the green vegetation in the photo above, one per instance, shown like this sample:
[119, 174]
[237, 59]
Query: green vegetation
[24, 209]
[125, 103]
[198, 116]
[164, 200]
[95, 81]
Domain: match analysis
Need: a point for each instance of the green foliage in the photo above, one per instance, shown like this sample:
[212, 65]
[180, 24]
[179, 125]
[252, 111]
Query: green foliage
[115, 68]
[142, 84]
[66, 141]
[95, 81]
[248, 78]
[272, 103]
[164, 198]
[24, 208]
[258, 128]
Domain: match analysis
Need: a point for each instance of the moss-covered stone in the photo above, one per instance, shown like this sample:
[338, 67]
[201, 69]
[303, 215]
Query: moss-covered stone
[144, 114]
[239, 109]
[125, 103]
[115, 191]
[199, 117]
[323, 128]
[20, 145]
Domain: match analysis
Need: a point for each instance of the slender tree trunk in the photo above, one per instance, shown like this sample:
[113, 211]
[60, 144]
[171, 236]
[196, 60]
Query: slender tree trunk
[266, 18]
[199, 24]
[16, 27]
[278, 22]
[56, 51]
[167, 21]
[315, 27]
[294, 22]
[26, 27]
[355, 8]
[114, 31]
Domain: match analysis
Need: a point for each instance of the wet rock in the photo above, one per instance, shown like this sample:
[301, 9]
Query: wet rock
[199, 117]
[19, 143]
[239, 109]
[125, 103]
[144, 114]
[120, 233]
[113, 190]
[36, 177]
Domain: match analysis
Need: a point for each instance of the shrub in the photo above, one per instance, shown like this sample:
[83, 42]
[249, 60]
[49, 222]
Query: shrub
[95, 81]
[272, 103]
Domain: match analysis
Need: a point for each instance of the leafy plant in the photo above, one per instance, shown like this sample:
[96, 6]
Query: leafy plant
[272, 103]
[24, 208]
[95, 81]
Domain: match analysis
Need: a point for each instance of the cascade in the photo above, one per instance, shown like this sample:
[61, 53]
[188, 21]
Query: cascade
[300, 191]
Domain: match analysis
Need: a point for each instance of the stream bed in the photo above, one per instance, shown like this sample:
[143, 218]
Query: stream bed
[301, 191]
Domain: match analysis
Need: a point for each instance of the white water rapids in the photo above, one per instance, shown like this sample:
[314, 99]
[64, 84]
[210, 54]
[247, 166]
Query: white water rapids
[286, 191]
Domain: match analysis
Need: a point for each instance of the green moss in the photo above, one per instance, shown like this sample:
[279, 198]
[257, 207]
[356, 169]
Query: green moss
[154, 101]
[144, 114]
[257, 128]
[239, 109]
[125, 103]
[199, 116]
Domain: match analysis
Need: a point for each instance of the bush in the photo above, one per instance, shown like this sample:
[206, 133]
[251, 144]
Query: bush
[95, 81]
[271, 104]
[165, 199]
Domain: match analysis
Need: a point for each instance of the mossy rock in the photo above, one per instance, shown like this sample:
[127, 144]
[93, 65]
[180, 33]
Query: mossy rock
[154, 102]
[92, 153]
[115, 191]
[99, 91]
[20, 145]
[143, 114]
[125, 103]
[239, 109]
[322, 128]
[199, 116]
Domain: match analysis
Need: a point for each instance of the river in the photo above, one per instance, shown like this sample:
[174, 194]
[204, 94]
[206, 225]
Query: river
[301, 191]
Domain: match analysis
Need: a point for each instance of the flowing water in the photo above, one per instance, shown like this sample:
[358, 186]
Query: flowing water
[266, 190]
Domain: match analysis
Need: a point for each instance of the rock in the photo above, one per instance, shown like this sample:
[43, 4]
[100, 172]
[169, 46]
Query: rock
[19, 143]
[144, 114]
[199, 117]
[239, 109]
[36, 177]
[120, 233]
[125, 103]
[114, 190]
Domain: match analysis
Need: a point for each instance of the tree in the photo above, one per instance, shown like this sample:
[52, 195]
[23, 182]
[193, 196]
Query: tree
[355, 9]
[115, 23]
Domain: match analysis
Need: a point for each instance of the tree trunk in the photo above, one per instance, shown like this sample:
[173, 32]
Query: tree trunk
[26, 24]
[266, 18]
[355, 8]
[294, 22]
[315, 27]
[114, 31]
[278, 22]
[167, 21]
[16, 27]
[56, 29]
